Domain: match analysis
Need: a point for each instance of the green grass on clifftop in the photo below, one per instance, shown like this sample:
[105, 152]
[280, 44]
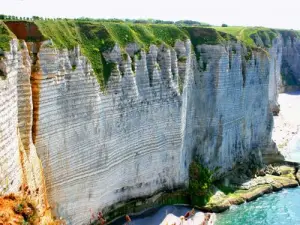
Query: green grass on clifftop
[5, 36]
[210, 36]
[97, 37]
[252, 36]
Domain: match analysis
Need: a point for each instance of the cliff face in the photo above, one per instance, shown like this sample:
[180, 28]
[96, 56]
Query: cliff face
[20, 166]
[275, 77]
[11, 175]
[227, 117]
[122, 144]
[161, 109]
[141, 135]
[291, 62]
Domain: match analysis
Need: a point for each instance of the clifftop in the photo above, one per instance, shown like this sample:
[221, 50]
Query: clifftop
[95, 37]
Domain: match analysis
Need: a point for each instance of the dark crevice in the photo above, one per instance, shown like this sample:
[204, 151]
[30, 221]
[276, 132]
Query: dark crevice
[35, 80]
[296, 171]
[230, 59]
[244, 65]
[150, 66]
[2, 74]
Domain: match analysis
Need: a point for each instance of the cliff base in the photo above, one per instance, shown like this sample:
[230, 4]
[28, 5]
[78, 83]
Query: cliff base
[235, 190]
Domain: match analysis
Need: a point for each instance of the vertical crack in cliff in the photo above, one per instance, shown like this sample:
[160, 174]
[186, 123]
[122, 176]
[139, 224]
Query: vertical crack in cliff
[35, 87]
[296, 172]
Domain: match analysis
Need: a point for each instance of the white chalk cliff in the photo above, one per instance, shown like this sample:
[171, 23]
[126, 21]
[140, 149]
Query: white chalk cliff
[140, 136]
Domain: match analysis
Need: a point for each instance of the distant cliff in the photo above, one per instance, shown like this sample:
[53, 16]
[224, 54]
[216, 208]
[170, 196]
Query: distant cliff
[290, 59]
[116, 111]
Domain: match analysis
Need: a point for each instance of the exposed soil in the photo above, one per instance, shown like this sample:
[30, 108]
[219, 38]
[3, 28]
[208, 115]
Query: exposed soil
[24, 30]
[20, 210]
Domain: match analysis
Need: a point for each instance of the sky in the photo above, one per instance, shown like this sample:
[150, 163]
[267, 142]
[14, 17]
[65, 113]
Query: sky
[267, 13]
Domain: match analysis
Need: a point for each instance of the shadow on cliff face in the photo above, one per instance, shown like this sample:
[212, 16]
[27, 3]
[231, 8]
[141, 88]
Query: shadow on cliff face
[296, 93]
[2, 74]
[35, 80]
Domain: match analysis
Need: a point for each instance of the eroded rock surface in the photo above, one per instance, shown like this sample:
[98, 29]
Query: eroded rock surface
[290, 63]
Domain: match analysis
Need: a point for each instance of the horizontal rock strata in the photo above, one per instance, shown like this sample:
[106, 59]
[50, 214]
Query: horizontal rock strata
[20, 166]
[141, 135]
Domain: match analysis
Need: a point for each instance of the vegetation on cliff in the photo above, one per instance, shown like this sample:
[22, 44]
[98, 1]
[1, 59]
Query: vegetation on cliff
[200, 179]
[5, 36]
[200, 183]
[252, 36]
[97, 36]
[210, 36]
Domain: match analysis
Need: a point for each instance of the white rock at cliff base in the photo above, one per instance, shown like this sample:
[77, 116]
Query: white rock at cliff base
[197, 219]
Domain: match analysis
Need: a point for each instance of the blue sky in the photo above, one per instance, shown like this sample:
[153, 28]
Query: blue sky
[268, 13]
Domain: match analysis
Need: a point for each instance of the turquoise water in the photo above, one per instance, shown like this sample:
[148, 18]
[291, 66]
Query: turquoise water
[282, 208]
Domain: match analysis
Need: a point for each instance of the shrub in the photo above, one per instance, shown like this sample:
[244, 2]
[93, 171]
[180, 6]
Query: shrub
[200, 179]
[182, 59]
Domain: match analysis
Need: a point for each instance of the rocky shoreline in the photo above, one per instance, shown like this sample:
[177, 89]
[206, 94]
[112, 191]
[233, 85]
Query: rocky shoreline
[234, 189]
[242, 189]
